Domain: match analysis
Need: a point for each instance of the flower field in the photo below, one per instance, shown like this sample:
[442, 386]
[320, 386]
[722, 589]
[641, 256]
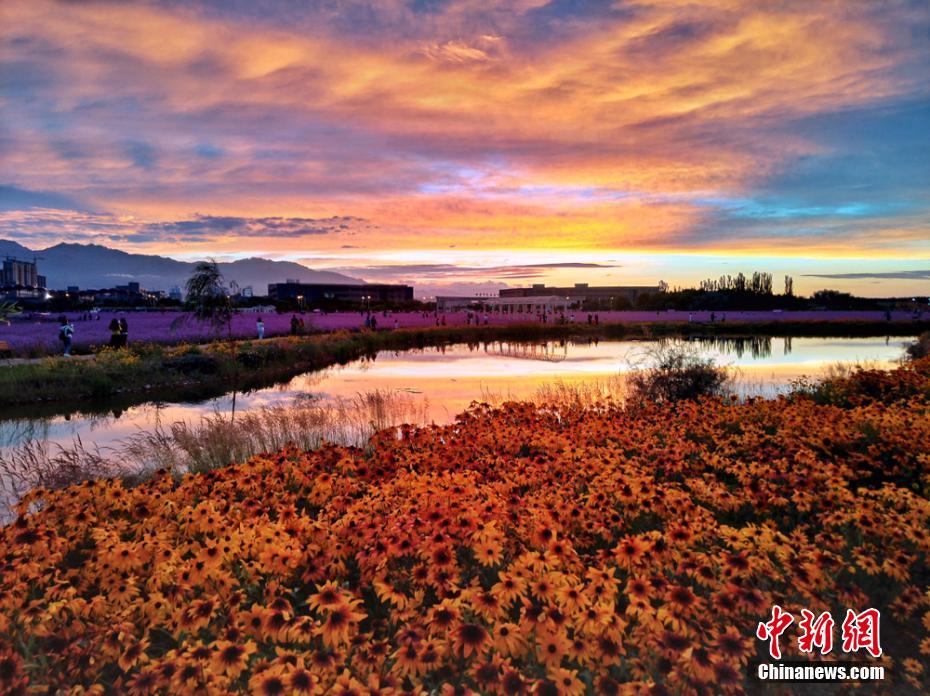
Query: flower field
[525, 549]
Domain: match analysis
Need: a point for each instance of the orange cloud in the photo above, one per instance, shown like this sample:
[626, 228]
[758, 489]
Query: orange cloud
[610, 132]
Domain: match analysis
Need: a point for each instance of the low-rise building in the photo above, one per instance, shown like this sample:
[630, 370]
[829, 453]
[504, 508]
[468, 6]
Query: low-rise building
[313, 293]
[602, 295]
[529, 306]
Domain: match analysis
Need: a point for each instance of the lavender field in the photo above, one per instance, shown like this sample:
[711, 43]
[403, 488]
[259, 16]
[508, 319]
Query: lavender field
[39, 336]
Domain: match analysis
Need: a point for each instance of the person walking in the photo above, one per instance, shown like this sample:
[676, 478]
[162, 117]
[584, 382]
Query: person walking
[260, 327]
[65, 335]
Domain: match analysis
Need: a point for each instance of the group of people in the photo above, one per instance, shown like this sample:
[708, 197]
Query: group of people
[473, 317]
[119, 332]
[297, 326]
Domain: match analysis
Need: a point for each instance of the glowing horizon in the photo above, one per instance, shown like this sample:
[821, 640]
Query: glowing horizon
[529, 139]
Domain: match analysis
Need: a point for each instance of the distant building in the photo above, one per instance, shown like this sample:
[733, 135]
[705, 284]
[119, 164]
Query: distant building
[175, 293]
[582, 292]
[24, 274]
[131, 293]
[504, 305]
[311, 293]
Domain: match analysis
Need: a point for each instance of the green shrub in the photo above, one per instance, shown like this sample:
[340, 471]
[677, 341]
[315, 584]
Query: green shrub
[677, 372]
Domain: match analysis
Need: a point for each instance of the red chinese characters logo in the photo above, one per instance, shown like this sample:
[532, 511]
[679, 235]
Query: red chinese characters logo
[771, 630]
[815, 633]
[859, 631]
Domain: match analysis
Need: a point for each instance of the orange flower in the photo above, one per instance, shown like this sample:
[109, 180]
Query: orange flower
[299, 681]
[269, 682]
[338, 625]
[567, 683]
[443, 615]
[509, 589]
[133, 652]
[607, 541]
[551, 648]
[629, 552]
[470, 638]
[508, 640]
[327, 596]
[231, 659]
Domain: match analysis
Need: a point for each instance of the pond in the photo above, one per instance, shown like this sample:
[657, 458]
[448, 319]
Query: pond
[446, 380]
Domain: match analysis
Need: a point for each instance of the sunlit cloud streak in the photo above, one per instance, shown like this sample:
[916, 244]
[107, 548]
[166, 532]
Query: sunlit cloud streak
[441, 271]
[895, 275]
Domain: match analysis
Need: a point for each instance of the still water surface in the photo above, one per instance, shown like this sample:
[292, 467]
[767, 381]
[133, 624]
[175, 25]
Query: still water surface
[448, 379]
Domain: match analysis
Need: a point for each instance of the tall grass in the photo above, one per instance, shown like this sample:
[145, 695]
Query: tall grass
[39, 464]
[218, 440]
[214, 441]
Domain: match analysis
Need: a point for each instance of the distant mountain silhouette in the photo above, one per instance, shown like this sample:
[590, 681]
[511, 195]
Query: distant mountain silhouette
[95, 266]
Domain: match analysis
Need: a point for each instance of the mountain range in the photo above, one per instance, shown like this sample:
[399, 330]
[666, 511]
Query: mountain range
[95, 266]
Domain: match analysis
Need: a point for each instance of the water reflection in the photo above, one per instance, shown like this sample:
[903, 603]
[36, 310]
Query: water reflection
[451, 377]
[757, 347]
[552, 351]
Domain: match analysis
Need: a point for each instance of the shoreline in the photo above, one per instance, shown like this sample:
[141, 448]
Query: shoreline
[148, 372]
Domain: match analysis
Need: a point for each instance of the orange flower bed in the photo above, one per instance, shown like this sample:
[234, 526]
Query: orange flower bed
[518, 550]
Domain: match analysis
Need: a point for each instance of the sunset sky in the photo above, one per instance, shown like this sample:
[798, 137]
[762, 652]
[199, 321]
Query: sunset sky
[470, 144]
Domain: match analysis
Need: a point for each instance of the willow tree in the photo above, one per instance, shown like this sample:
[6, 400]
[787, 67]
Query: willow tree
[209, 302]
[208, 299]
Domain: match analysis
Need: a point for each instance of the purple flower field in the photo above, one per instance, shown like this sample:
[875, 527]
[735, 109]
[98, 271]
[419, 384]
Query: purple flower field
[32, 337]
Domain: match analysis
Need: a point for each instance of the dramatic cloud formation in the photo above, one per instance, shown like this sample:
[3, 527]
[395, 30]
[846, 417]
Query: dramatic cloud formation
[663, 126]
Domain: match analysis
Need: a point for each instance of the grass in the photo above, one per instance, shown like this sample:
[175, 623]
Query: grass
[151, 371]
